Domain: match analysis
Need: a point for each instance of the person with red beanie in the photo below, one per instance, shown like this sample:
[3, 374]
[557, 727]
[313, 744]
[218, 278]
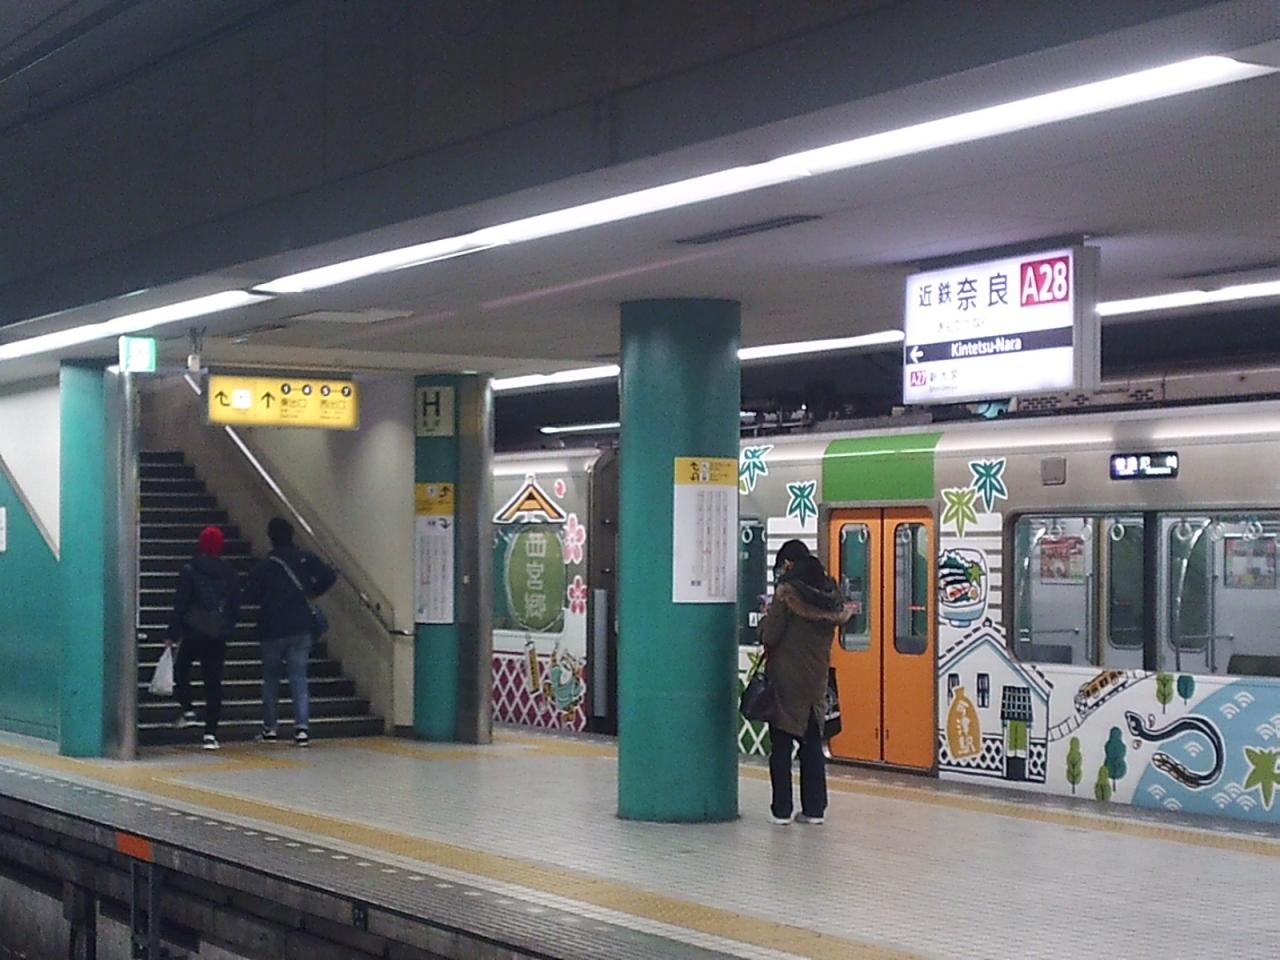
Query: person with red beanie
[205, 610]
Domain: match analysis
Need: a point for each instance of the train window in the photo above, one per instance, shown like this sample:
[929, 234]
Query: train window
[855, 584]
[1124, 575]
[911, 559]
[1221, 599]
[1054, 589]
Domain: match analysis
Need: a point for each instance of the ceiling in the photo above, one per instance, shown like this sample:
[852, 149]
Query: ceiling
[1176, 194]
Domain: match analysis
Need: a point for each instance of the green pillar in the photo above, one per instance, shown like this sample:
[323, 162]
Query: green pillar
[83, 559]
[677, 662]
[452, 653]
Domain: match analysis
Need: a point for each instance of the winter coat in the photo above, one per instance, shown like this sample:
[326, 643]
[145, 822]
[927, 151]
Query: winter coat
[210, 583]
[797, 630]
[285, 612]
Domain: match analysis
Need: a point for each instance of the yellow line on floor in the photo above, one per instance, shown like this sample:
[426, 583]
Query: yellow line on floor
[562, 882]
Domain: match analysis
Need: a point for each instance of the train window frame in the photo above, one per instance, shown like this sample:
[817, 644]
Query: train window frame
[907, 607]
[857, 641]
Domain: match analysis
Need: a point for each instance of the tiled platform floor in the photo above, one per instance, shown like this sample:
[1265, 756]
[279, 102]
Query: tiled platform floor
[904, 868]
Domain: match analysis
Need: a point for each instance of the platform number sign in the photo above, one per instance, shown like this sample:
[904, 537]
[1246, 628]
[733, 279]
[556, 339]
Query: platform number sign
[995, 329]
[434, 414]
[1046, 281]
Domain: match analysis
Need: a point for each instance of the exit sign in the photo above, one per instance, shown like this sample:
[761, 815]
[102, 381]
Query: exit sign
[137, 355]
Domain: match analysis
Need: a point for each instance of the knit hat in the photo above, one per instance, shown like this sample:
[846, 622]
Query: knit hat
[211, 541]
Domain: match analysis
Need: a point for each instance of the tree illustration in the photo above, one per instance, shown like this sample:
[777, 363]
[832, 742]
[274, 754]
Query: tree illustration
[1115, 751]
[1102, 786]
[1075, 764]
[1186, 687]
[1164, 690]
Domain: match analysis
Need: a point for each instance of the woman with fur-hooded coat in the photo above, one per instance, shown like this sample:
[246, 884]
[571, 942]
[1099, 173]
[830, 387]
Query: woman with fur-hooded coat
[797, 632]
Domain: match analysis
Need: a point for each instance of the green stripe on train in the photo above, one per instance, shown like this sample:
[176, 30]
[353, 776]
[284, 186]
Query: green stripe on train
[876, 469]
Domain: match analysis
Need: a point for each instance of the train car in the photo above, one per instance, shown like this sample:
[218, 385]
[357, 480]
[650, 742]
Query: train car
[1082, 605]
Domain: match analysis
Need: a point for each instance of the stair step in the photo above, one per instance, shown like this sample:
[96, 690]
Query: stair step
[182, 515]
[321, 728]
[149, 651]
[167, 712]
[166, 471]
[169, 565]
[159, 620]
[318, 667]
[169, 486]
[183, 548]
[178, 501]
[161, 456]
[183, 528]
[243, 688]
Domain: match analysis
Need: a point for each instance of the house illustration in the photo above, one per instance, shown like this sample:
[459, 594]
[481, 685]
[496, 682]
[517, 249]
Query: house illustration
[994, 710]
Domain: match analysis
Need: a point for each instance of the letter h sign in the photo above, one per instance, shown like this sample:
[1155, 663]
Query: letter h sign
[434, 412]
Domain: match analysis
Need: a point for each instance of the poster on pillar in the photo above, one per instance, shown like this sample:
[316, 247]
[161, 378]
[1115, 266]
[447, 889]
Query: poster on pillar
[433, 553]
[704, 542]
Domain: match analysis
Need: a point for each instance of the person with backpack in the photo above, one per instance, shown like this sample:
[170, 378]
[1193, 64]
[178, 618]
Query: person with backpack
[205, 608]
[797, 632]
[283, 585]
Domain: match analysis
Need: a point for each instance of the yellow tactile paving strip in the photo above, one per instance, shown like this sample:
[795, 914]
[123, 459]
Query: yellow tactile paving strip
[162, 780]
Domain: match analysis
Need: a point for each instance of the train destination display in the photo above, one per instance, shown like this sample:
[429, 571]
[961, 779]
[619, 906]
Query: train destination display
[1021, 324]
[1144, 466]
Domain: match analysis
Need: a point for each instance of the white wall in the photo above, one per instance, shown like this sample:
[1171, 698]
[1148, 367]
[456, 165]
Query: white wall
[30, 434]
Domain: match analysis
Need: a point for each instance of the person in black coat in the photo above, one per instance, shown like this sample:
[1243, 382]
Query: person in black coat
[283, 585]
[205, 609]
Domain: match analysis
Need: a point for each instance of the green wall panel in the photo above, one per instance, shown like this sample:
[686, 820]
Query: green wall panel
[30, 648]
[877, 469]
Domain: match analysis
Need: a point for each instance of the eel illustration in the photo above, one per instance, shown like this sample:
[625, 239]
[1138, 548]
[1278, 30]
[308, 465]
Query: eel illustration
[1176, 768]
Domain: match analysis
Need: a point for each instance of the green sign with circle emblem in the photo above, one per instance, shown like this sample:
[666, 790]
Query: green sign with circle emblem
[535, 579]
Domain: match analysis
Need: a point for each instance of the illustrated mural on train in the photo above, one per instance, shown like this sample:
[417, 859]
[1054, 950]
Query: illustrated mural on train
[1000, 576]
[540, 597]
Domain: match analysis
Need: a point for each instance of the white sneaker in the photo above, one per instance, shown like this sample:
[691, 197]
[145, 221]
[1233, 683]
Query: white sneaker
[813, 821]
[780, 821]
[186, 719]
[301, 739]
[210, 742]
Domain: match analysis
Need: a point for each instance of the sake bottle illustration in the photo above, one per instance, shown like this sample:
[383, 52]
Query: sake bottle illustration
[532, 670]
[964, 732]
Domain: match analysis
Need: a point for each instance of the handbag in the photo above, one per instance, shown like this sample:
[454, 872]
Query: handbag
[319, 622]
[831, 724]
[162, 679]
[208, 623]
[759, 700]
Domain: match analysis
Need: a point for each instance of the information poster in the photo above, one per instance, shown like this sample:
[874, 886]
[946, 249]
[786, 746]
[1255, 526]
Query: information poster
[1251, 564]
[433, 553]
[1062, 560]
[704, 555]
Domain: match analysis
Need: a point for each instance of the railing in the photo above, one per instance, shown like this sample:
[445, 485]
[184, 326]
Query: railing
[329, 546]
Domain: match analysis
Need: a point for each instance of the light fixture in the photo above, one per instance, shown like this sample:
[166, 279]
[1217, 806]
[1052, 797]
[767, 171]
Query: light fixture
[1190, 298]
[130, 323]
[771, 350]
[581, 428]
[768, 351]
[534, 381]
[1027, 113]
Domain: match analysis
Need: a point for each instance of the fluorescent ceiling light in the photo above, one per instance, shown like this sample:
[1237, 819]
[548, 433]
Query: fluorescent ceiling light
[535, 380]
[1083, 100]
[130, 323]
[820, 346]
[1190, 298]
[538, 380]
[581, 428]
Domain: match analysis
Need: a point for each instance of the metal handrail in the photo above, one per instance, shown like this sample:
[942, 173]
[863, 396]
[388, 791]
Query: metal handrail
[328, 544]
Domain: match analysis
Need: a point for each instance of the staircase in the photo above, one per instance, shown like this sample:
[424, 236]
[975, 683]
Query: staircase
[176, 506]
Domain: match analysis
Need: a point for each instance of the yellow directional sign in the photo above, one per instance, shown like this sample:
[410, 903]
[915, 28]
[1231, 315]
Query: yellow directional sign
[283, 402]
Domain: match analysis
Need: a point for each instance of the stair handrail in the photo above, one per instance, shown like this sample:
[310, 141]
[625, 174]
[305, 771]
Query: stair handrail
[328, 545]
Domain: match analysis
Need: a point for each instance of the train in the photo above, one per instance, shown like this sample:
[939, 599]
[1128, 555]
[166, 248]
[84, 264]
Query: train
[1084, 605]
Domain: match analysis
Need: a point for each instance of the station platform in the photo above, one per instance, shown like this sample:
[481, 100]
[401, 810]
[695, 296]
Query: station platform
[517, 845]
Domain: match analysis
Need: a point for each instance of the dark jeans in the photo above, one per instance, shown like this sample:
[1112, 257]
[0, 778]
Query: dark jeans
[211, 652]
[813, 771]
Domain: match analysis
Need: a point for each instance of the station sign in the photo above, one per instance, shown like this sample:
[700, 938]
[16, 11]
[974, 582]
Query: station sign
[1000, 328]
[283, 402]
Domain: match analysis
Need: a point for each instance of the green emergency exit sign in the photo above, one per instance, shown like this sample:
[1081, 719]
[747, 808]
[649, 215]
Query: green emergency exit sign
[137, 355]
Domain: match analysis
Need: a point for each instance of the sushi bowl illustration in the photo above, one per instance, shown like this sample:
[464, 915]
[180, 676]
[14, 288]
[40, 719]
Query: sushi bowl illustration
[962, 585]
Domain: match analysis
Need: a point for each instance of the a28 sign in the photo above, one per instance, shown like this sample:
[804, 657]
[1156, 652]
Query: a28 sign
[1046, 281]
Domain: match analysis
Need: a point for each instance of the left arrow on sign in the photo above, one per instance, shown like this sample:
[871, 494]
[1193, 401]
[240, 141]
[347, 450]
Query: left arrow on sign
[915, 354]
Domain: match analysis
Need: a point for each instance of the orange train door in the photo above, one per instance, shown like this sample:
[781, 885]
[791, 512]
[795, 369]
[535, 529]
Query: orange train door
[885, 656]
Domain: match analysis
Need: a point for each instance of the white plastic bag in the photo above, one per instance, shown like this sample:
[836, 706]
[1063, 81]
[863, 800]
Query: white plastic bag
[162, 679]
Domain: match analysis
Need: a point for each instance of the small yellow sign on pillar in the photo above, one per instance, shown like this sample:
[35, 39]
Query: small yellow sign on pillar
[283, 402]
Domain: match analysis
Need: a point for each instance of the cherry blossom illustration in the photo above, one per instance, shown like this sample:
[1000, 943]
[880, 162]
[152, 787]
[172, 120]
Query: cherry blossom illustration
[560, 489]
[575, 539]
[577, 596]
